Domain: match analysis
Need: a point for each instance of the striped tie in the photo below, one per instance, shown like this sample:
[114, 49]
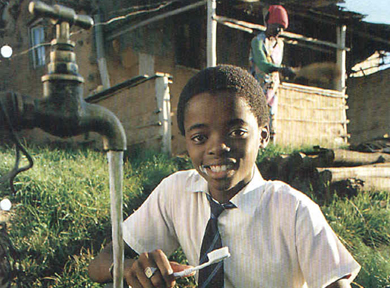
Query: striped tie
[212, 276]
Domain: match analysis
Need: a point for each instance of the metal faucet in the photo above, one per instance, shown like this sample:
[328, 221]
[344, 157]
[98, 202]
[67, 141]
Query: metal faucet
[62, 111]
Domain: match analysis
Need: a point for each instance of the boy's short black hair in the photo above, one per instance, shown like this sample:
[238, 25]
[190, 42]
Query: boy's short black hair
[221, 78]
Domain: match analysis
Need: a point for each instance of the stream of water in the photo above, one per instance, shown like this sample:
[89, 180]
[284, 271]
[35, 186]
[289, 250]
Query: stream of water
[115, 162]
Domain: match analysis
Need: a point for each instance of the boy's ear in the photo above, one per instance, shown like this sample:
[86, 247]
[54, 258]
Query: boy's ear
[264, 136]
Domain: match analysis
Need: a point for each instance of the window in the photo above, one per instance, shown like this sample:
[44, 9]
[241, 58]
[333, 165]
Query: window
[37, 37]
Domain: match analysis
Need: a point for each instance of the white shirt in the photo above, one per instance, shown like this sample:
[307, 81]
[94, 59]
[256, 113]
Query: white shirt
[277, 236]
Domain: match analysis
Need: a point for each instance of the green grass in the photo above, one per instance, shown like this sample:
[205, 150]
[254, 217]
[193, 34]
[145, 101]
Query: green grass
[363, 225]
[60, 217]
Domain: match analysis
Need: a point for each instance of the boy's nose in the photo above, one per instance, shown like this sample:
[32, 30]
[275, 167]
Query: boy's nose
[218, 147]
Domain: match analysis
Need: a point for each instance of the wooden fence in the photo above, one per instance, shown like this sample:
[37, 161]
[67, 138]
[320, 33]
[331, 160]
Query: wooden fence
[310, 115]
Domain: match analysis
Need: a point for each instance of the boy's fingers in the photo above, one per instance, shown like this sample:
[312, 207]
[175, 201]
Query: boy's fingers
[133, 280]
[176, 267]
[143, 272]
[165, 270]
[158, 280]
[134, 284]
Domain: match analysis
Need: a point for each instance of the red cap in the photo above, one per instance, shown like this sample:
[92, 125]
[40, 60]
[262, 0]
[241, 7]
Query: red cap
[277, 14]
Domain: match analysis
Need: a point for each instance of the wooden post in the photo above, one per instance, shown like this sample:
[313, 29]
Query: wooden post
[211, 33]
[341, 62]
[164, 108]
[146, 64]
[341, 56]
[102, 64]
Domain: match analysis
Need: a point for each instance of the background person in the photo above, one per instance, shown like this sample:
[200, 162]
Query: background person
[266, 56]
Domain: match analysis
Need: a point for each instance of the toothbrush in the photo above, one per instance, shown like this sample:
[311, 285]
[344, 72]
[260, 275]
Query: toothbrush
[214, 257]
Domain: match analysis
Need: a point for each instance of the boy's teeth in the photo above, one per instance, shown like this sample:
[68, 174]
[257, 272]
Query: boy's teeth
[218, 168]
[215, 168]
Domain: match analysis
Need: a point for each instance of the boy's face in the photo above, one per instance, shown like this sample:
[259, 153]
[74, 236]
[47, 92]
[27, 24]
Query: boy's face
[223, 138]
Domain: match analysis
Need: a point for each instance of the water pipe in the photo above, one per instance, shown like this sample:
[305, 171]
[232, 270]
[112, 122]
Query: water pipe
[63, 112]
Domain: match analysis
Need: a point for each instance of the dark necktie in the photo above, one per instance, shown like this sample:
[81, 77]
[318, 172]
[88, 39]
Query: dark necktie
[212, 276]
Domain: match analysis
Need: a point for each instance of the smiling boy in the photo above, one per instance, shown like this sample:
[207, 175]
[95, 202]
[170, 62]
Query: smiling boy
[220, 134]
[276, 235]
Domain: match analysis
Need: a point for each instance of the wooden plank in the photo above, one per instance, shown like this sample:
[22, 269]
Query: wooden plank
[359, 172]
[344, 157]
[285, 34]
[375, 184]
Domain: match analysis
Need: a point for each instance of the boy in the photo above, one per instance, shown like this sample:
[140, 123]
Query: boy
[276, 235]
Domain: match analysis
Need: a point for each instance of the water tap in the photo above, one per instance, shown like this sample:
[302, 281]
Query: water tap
[62, 110]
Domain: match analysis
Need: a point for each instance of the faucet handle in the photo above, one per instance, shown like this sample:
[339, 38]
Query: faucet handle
[58, 13]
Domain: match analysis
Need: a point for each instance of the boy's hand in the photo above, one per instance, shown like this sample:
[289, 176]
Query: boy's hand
[152, 269]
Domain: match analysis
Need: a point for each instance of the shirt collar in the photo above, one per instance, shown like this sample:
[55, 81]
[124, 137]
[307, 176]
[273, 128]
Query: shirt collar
[242, 199]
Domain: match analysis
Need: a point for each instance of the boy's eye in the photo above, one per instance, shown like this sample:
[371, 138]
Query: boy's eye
[238, 133]
[199, 138]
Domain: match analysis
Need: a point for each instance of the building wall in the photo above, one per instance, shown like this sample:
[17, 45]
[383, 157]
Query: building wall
[125, 65]
[369, 106]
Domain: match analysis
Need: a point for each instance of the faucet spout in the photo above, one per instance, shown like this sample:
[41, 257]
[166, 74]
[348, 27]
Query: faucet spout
[70, 117]
[104, 122]
[75, 118]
